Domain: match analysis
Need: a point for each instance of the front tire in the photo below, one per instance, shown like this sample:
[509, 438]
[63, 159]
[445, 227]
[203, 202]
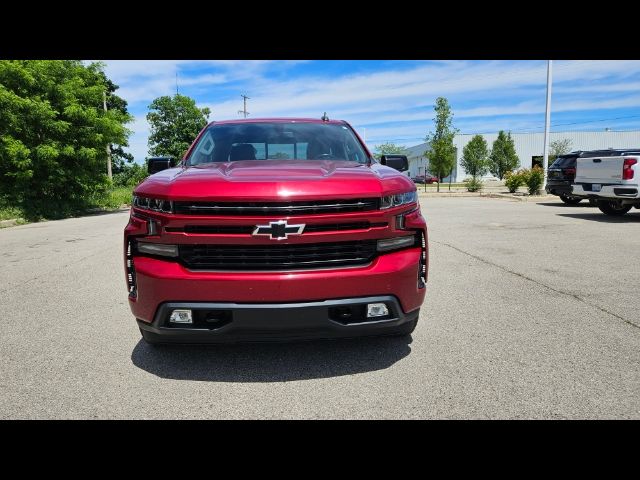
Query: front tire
[570, 200]
[612, 207]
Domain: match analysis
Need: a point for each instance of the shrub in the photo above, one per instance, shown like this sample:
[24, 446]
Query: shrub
[513, 180]
[473, 184]
[533, 179]
[130, 176]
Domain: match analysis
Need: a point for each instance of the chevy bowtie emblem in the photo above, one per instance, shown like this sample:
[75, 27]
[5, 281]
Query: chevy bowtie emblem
[279, 230]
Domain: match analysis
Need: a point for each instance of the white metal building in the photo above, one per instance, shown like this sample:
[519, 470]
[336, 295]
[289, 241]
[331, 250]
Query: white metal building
[529, 146]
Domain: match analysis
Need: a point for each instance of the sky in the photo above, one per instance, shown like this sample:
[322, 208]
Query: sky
[391, 101]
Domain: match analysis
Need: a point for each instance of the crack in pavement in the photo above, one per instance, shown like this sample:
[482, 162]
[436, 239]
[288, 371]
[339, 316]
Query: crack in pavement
[537, 282]
[13, 287]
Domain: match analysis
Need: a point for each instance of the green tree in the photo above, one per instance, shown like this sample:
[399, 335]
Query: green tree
[557, 148]
[120, 160]
[503, 157]
[475, 157]
[130, 176]
[53, 135]
[442, 153]
[175, 122]
[389, 149]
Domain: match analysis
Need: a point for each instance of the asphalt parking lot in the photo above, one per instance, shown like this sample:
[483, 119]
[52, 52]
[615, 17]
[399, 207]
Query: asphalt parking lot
[532, 311]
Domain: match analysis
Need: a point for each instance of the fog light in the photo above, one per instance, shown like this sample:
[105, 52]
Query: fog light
[181, 316]
[377, 310]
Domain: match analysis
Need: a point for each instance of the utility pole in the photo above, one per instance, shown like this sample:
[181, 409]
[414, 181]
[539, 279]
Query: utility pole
[244, 111]
[545, 158]
[104, 104]
[424, 172]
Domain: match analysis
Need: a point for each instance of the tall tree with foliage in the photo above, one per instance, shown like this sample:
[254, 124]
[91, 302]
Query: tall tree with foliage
[558, 147]
[389, 149]
[175, 122]
[503, 157]
[475, 157]
[442, 153]
[53, 134]
[120, 160]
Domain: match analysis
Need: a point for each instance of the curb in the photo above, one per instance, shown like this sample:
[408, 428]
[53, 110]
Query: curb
[103, 210]
[447, 194]
[520, 198]
[505, 196]
[9, 223]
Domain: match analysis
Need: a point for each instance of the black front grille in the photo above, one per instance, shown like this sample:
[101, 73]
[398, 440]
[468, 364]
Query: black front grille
[213, 229]
[276, 208]
[248, 229]
[277, 257]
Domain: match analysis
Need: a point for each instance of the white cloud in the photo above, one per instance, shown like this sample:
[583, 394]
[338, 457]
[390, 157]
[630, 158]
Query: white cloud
[478, 92]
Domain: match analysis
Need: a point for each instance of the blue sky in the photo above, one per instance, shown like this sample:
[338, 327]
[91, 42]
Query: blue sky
[392, 101]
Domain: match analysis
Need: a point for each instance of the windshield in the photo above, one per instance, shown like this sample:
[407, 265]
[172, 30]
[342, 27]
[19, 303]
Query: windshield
[231, 142]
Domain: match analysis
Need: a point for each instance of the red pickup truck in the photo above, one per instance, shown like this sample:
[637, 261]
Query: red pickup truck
[275, 229]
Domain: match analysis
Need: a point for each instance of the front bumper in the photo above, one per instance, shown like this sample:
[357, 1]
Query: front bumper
[232, 322]
[160, 281]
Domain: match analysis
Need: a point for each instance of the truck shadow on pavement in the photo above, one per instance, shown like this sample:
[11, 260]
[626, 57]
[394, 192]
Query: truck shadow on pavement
[582, 204]
[271, 362]
[597, 216]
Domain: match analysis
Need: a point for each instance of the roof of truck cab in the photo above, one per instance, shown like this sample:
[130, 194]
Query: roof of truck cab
[276, 120]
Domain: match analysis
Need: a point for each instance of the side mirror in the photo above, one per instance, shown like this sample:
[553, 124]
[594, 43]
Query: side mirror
[157, 164]
[399, 162]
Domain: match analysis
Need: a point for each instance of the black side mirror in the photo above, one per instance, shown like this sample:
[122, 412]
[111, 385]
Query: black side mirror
[399, 162]
[157, 164]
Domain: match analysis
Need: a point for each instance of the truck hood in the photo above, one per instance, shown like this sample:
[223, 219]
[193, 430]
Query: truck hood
[273, 180]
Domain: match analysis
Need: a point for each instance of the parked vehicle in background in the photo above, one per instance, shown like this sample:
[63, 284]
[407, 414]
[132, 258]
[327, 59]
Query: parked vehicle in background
[561, 175]
[425, 179]
[609, 177]
[276, 228]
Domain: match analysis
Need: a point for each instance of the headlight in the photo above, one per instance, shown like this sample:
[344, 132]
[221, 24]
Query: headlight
[399, 199]
[153, 204]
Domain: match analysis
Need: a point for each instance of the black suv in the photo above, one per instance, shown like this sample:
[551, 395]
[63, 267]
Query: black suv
[561, 175]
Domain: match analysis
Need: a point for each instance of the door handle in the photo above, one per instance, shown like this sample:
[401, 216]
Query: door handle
[597, 160]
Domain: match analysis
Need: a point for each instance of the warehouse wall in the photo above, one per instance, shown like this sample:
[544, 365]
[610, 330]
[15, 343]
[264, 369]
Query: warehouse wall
[529, 145]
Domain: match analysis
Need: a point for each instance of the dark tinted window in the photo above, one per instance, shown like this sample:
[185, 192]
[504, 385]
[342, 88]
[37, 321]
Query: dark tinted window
[564, 162]
[278, 140]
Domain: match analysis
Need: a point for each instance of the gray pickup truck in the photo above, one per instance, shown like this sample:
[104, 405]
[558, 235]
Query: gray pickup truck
[611, 178]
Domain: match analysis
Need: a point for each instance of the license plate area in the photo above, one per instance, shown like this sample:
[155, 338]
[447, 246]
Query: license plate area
[596, 187]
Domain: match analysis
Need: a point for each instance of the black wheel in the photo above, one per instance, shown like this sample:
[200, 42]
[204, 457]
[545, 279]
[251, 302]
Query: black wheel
[570, 200]
[149, 337]
[406, 328]
[613, 207]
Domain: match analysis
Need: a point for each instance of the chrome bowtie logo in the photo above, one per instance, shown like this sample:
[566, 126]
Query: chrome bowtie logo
[279, 230]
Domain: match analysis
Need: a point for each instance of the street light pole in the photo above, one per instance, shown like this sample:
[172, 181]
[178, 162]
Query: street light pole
[545, 159]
